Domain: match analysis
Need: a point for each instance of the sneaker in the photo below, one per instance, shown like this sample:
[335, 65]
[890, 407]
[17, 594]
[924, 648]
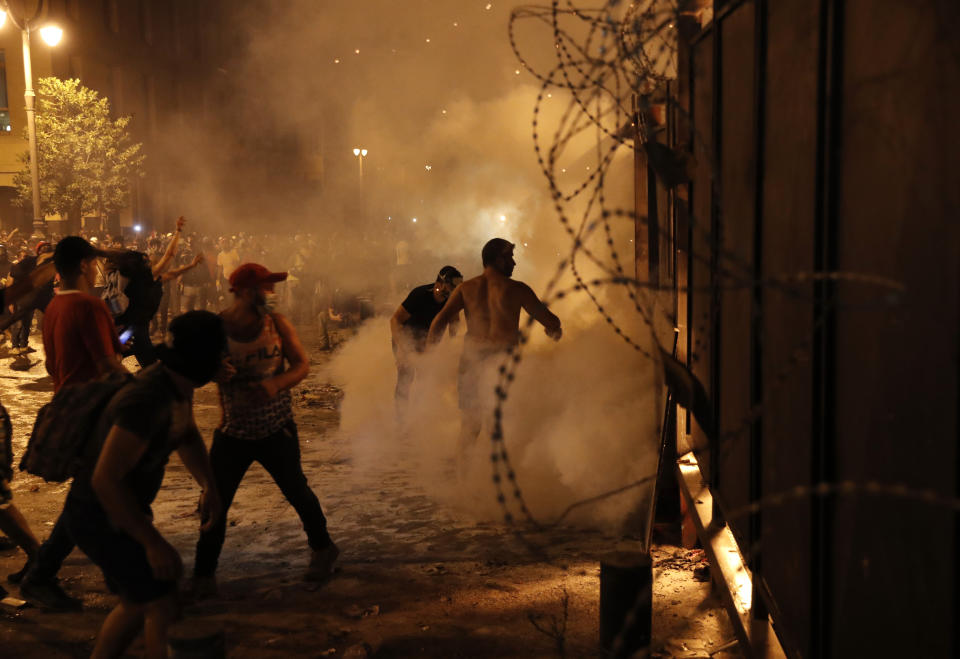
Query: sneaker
[17, 577]
[321, 562]
[28, 350]
[49, 595]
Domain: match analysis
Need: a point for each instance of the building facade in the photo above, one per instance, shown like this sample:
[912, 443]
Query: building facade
[152, 58]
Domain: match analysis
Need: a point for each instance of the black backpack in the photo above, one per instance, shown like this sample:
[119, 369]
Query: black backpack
[143, 290]
[60, 440]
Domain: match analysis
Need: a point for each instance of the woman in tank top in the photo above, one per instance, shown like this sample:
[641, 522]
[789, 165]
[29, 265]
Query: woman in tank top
[266, 360]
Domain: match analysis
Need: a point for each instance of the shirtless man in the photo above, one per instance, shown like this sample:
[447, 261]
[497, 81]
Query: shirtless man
[492, 304]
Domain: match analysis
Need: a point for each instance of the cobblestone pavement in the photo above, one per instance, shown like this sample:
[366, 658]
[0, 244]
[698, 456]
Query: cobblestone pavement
[415, 578]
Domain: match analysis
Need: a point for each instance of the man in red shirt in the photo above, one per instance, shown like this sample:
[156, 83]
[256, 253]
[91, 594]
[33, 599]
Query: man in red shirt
[79, 337]
[81, 344]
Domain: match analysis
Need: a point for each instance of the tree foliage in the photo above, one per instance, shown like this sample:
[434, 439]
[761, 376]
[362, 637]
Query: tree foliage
[86, 160]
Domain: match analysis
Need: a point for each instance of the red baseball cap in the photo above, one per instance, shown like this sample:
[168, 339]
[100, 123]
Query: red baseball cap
[251, 275]
[42, 244]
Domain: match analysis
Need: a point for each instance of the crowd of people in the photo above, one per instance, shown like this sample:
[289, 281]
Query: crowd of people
[112, 431]
[196, 277]
[252, 351]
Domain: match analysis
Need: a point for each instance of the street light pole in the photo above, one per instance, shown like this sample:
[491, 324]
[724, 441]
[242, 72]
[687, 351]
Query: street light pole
[30, 97]
[51, 34]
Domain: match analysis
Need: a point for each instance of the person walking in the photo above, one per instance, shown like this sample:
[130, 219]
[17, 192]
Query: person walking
[267, 360]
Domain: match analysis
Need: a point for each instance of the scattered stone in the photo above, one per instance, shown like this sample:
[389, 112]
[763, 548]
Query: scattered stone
[13, 603]
[503, 588]
[359, 651]
[356, 612]
[325, 396]
[702, 573]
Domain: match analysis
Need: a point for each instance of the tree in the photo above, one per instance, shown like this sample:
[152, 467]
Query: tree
[86, 160]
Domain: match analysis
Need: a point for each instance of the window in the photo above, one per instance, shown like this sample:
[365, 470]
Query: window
[5, 126]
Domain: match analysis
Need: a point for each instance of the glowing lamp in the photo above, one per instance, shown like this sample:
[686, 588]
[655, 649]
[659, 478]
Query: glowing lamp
[137, 228]
[363, 152]
[356, 152]
[51, 34]
[3, 18]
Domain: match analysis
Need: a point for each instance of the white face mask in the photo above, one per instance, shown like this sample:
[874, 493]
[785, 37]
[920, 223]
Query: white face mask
[270, 303]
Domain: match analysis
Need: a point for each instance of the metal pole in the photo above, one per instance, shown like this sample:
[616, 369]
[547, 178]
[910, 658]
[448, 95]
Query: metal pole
[30, 97]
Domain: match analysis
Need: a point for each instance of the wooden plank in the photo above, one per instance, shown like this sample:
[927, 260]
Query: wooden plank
[758, 639]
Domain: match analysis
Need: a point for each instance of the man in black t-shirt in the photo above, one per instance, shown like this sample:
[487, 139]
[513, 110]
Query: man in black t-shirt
[411, 323]
[107, 510]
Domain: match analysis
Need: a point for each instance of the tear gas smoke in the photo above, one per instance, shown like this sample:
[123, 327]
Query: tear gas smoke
[448, 128]
[582, 418]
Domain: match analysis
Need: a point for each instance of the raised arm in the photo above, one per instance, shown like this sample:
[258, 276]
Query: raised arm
[164, 261]
[449, 312]
[176, 272]
[533, 306]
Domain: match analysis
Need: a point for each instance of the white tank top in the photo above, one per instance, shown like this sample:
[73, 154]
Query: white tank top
[255, 361]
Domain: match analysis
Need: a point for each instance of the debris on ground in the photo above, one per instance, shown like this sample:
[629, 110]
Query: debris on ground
[702, 574]
[324, 396]
[356, 612]
[359, 651]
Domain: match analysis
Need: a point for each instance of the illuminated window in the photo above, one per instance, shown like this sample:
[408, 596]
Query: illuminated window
[4, 103]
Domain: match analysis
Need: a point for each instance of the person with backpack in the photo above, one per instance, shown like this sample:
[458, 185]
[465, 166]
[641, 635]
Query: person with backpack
[81, 344]
[258, 424]
[107, 509]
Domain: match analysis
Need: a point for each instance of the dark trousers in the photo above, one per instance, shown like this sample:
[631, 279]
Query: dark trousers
[143, 346]
[279, 454]
[162, 318]
[53, 552]
[21, 330]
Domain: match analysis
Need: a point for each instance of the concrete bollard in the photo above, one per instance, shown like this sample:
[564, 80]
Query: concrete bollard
[626, 584]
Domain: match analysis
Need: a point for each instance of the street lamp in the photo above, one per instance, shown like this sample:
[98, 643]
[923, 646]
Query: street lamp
[51, 35]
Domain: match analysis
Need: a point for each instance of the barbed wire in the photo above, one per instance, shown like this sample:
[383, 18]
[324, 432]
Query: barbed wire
[610, 64]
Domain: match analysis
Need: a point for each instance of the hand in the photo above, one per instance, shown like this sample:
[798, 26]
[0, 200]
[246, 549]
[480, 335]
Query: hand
[226, 373]
[198, 259]
[556, 333]
[180, 222]
[265, 390]
[210, 508]
[164, 560]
